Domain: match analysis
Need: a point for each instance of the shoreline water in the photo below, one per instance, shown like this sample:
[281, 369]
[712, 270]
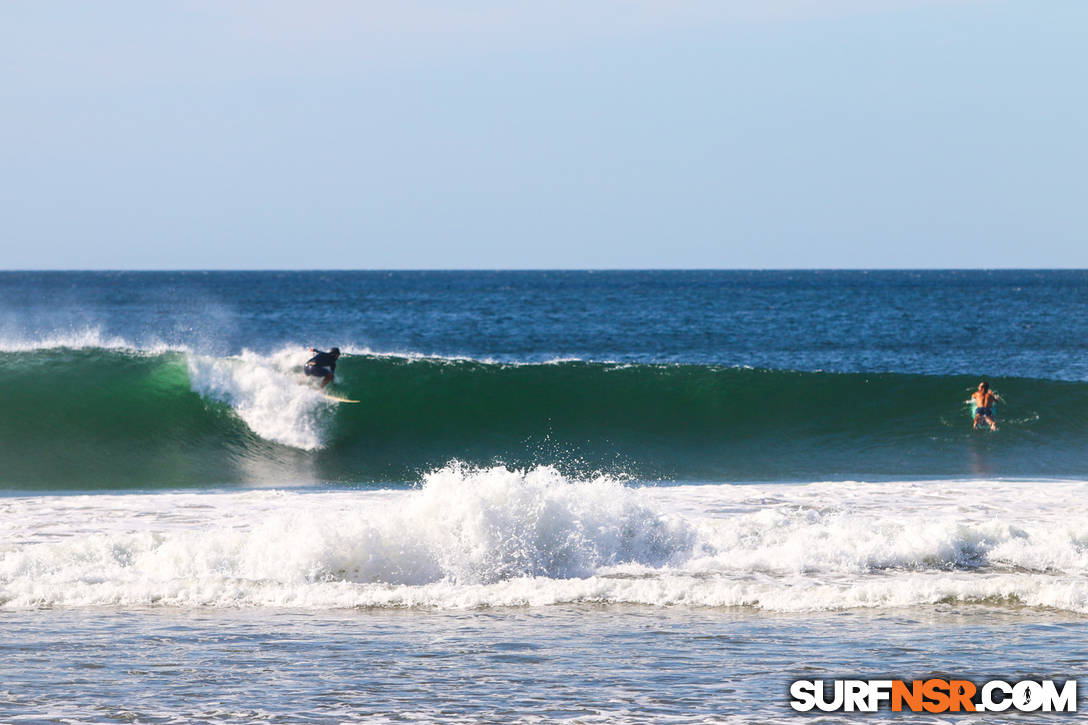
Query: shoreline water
[573, 663]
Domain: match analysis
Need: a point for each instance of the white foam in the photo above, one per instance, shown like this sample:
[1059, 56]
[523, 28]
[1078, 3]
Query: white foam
[268, 392]
[493, 537]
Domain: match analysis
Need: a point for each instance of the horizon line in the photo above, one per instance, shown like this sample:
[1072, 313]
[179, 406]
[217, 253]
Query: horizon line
[150, 270]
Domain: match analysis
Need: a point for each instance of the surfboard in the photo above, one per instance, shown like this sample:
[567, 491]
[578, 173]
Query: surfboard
[338, 399]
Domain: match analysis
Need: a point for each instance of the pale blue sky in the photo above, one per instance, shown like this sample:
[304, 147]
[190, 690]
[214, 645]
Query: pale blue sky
[504, 134]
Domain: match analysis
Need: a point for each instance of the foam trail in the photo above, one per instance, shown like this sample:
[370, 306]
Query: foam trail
[499, 537]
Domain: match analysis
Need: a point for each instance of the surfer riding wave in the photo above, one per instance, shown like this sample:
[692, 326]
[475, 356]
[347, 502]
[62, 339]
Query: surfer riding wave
[322, 365]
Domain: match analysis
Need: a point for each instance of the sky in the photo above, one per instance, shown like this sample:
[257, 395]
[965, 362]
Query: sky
[505, 134]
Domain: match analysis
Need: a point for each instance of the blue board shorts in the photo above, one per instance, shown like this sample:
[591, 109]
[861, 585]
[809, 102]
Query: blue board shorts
[317, 371]
[984, 411]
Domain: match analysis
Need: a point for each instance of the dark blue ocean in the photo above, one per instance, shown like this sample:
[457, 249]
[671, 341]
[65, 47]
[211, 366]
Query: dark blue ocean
[560, 496]
[1011, 323]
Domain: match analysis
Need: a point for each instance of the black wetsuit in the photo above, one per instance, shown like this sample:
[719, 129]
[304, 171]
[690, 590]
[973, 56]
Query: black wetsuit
[321, 365]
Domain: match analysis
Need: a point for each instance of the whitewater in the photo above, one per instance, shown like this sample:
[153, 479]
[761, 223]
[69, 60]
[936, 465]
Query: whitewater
[470, 538]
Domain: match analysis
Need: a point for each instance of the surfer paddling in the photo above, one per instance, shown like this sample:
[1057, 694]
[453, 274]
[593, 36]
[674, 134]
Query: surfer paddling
[322, 365]
[983, 400]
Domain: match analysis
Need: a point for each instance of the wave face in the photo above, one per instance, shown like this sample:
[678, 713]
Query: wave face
[109, 417]
[496, 537]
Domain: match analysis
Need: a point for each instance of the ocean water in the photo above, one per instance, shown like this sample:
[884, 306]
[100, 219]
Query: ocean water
[563, 496]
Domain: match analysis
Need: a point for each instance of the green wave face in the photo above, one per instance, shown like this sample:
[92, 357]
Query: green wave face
[106, 419]
[101, 419]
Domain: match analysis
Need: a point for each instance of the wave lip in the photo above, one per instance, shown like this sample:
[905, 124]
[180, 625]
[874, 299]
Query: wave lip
[499, 537]
[77, 339]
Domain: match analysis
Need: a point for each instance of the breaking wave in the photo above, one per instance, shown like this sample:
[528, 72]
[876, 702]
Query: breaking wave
[103, 416]
[489, 537]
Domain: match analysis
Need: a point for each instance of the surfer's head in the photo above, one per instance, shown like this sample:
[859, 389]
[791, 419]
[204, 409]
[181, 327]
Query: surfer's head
[984, 386]
[334, 351]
